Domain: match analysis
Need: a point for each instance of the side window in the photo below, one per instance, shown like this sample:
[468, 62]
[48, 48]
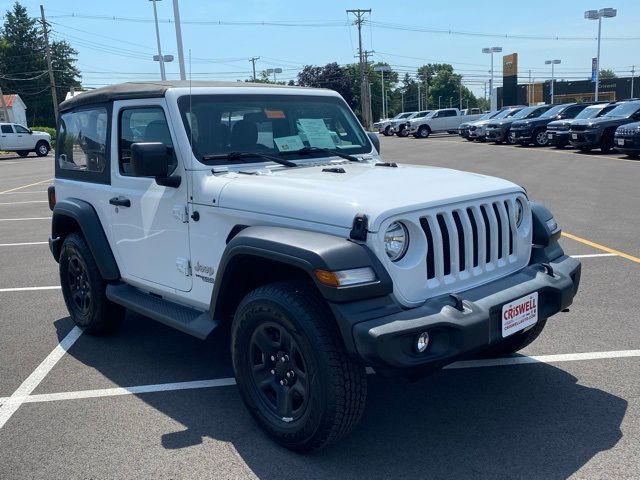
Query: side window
[82, 140]
[21, 129]
[142, 124]
[7, 129]
[450, 113]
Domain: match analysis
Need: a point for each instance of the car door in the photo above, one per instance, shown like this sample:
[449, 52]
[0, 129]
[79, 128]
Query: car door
[452, 120]
[23, 138]
[149, 221]
[9, 137]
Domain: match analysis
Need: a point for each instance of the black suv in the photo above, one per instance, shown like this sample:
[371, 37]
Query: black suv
[534, 130]
[499, 131]
[627, 139]
[558, 133]
[599, 132]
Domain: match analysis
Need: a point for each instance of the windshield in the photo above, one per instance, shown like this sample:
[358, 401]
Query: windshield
[590, 112]
[524, 112]
[403, 115]
[268, 124]
[624, 110]
[552, 112]
[507, 113]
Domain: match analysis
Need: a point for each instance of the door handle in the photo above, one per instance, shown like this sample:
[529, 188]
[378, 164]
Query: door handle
[120, 201]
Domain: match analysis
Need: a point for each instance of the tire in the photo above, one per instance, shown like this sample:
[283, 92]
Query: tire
[606, 142]
[423, 132]
[288, 320]
[633, 156]
[584, 149]
[42, 148]
[403, 132]
[540, 138]
[516, 342]
[387, 131]
[23, 153]
[507, 137]
[83, 289]
[469, 139]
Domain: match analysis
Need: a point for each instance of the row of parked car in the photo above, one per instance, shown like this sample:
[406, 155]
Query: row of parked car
[423, 123]
[586, 126]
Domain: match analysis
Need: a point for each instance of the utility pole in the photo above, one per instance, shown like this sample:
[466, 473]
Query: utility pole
[52, 79]
[419, 98]
[402, 97]
[253, 61]
[365, 99]
[176, 16]
[460, 93]
[633, 72]
[365, 55]
[163, 76]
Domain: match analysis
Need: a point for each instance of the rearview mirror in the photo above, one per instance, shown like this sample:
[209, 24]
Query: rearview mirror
[153, 159]
[375, 140]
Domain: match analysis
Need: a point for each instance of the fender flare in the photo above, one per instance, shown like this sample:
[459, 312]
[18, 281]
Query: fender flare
[87, 219]
[306, 251]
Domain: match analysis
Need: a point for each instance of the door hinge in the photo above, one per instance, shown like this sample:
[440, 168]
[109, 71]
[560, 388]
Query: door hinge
[184, 266]
[181, 212]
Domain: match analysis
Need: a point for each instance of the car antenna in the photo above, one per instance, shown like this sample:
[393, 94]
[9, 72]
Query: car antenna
[190, 110]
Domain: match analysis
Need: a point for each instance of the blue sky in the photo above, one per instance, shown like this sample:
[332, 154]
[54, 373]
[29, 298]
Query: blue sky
[111, 51]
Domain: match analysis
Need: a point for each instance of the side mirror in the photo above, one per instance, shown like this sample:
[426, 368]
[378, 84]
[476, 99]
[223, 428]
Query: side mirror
[152, 159]
[30, 131]
[375, 140]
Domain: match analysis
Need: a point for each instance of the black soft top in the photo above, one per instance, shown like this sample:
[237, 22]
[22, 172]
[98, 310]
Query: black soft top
[133, 90]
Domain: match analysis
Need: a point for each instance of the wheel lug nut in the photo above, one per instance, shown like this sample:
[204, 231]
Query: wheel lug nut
[273, 372]
[273, 358]
[290, 374]
[283, 382]
[284, 358]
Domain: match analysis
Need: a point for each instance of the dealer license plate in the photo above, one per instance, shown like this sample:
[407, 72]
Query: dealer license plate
[519, 314]
[574, 136]
[621, 141]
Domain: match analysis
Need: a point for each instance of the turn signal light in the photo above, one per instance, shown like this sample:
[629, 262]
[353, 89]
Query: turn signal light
[343, 278]
[51, 195]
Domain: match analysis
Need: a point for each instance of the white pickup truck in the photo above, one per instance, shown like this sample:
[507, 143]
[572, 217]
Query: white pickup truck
[23, 140]
[443, 120]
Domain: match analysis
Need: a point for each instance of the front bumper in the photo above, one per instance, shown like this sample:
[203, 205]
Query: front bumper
[627, 144]
[520, 135]
[585, 139]
[494, 135]
[557, 137]
[387, 342]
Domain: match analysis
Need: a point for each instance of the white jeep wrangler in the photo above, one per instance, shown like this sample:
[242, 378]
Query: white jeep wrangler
[267, 209]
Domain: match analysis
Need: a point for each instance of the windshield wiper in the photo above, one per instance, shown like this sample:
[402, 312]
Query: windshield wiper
[242, 156]
[310, 150]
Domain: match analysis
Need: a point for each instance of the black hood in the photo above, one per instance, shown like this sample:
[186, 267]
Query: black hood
[603, 121]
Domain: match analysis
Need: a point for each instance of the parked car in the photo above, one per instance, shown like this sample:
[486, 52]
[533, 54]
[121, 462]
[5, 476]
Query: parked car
[477, 129]
[599, 132]
[288, 234]
[627, 139]
[558, 131]
[464, 128]
[400, 126]
[386, 126]
[499, 131]
[443, 120]
[534, 130]
[22, 140]
[472, 111]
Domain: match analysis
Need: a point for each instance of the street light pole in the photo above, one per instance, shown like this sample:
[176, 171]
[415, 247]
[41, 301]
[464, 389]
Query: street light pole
[491, 51]
[599, 15]
[439, 97]
[163, 76]
[176, 16]
[552, 63]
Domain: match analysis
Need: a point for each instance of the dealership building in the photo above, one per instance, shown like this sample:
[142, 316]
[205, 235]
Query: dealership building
[512, 93]
[569, 91]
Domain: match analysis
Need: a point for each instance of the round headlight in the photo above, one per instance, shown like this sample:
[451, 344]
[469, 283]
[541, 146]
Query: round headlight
[519, 212]
[396, 241]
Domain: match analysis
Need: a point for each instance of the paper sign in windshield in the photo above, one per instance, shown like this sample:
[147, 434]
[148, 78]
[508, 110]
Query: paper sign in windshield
[316, 132]
[288, 144]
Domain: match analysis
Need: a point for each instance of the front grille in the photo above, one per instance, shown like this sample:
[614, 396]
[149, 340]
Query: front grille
[578, 128]
[463, 239]
[628, 132]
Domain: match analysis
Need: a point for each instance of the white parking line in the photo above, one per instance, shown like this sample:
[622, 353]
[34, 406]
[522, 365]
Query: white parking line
[21, 203]
[11, 404]
[29, 289]
[25, 186]
[229, 381]
[21, 219]
[23, 193]
[22, 244]
[595, 255]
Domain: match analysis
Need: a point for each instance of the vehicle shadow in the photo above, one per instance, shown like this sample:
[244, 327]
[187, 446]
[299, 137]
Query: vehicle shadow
[527, 421]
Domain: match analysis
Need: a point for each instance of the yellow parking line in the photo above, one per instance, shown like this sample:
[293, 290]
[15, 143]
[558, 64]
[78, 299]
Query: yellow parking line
[601, 247]
[25, 186]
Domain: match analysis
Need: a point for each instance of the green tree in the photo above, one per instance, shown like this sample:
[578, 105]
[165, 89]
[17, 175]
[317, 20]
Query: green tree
[606, 74]
[24, 68]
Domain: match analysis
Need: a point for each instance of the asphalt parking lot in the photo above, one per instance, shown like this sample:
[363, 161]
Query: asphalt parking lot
[151, 402]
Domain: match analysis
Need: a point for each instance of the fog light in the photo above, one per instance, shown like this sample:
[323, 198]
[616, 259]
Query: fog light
[422, 342]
